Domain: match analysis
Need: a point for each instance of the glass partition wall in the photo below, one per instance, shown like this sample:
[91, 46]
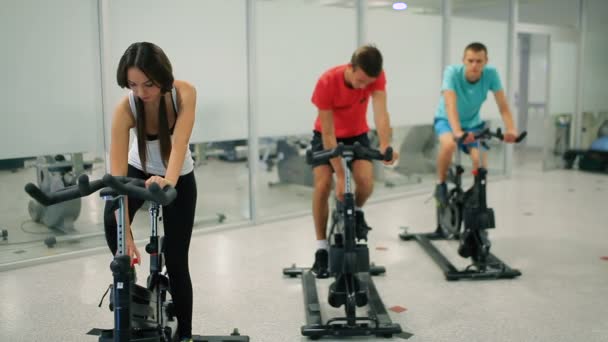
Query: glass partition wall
[254, 64]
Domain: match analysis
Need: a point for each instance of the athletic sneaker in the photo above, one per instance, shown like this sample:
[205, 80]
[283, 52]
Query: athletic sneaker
[441, 194]
[362, 227]
[319, 268]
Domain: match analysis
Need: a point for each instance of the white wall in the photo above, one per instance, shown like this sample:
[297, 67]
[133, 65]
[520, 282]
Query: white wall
[562, 89]
[549, 12]
[557, 60]
[493, 34]
[50, 93]
[537, 90]
[539, 69]
[296, 43]
[497, 10]
[546, 12]
[411, 46]
[53, 77]
[206, 44]
[595, 67]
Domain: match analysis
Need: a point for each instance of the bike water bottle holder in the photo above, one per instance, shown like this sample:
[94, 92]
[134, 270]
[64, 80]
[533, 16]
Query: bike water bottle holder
[354, 262]
[478, 218]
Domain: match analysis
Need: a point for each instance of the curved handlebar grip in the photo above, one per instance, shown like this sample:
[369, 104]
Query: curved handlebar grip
[86, 187]
[163, 196]
[134, 187]
[483, 134]
[499, 134]
[388, 154]
[357, 149]
[83, 183]
[62, 195]
[366, 152]
[464, 137]
[37, 194]
[486, 133]
[325, 155]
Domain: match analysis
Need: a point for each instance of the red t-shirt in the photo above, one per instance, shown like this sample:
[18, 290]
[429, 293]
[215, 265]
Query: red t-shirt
[348, 105]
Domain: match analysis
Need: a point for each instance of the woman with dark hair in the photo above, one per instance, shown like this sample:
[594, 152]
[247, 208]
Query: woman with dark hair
[161, 111]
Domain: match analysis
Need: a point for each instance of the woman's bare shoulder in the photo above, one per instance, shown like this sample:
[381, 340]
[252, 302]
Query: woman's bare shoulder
[184, 87]
[123, 112]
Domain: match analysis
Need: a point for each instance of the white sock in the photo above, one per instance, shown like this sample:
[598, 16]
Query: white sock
[322, 244]
[358, 208]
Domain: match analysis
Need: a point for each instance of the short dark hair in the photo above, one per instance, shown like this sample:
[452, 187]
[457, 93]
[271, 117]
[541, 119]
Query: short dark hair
[151, 60]
[476, 47]
[369, 59]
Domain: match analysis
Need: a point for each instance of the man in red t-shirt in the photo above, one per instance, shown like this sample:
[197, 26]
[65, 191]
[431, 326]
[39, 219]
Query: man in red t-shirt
[341, 96]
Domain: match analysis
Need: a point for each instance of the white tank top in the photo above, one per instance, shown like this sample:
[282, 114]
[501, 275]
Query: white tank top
[154, 161]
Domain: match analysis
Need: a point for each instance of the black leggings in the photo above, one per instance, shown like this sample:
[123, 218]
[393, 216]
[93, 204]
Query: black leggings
[178, 219]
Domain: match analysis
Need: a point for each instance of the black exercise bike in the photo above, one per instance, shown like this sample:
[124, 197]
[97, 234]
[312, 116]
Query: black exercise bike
[466, 218]
[142, 314]
[348, 263]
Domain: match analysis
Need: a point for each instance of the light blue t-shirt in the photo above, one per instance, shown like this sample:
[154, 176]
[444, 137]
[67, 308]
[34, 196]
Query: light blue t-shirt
[469, 96]
[600, 144]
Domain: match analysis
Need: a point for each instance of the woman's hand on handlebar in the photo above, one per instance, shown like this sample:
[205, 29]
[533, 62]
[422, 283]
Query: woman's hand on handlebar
[510, 136]
[162, 182]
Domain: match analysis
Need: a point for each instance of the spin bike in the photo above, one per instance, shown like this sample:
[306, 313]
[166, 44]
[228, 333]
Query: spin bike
[142, 314]
[348, 263]
[466, 218]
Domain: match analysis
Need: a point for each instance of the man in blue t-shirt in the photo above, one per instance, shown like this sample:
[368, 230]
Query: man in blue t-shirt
[464, 90]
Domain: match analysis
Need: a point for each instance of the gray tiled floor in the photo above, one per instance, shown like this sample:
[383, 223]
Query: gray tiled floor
[552, 226]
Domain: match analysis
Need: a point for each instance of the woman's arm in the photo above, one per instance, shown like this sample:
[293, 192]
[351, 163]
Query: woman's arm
[186, 102]
[122, 121]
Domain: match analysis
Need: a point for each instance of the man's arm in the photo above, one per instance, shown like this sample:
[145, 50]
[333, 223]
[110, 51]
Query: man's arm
[507, 116]
[328, 134]
[383, 122]
[451, 109]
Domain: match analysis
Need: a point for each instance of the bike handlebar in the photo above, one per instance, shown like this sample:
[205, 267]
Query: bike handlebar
[134, 187]
[488, 134]
[61, 195]
[357, 150]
